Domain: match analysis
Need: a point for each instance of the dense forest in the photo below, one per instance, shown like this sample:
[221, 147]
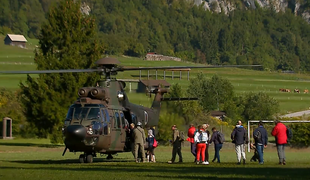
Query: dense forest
[180, 28]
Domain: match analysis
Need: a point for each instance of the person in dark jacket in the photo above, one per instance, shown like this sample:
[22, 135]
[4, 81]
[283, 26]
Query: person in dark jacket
[150, 140]
[239, 137]
[261, 138]
[217, 145]
[279, 131]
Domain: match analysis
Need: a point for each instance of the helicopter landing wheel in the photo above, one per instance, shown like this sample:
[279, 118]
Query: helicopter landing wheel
[89, 158]
[110, 156]
[82, 158]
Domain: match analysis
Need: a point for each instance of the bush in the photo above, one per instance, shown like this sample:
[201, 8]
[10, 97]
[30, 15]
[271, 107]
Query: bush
[301, 135]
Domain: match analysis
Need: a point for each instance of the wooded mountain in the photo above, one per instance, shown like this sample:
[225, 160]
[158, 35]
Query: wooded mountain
[183, 28]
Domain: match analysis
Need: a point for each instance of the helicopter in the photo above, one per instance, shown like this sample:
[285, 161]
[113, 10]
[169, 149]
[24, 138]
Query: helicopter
[98, 121]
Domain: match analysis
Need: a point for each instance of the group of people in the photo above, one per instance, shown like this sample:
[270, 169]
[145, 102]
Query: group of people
[139, 141]
[240, 138]
[200, 141]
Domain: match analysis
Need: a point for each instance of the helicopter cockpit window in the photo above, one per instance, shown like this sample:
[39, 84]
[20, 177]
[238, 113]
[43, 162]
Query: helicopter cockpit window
[94, 114]
[69, 114]
[80, 113]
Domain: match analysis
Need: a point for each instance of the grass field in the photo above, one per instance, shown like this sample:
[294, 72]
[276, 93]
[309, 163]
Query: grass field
[244, 80]
[37, 159]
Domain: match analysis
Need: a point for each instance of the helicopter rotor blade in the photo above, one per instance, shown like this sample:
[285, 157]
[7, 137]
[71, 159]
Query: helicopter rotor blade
[178, 99]
[179, 67]
[52, 71]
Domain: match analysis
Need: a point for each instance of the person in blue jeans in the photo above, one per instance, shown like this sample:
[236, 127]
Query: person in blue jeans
[217, 145]
[261, 138]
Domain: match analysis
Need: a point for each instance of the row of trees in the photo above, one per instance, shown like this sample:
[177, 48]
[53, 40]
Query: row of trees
[217, 93]
[180, 28]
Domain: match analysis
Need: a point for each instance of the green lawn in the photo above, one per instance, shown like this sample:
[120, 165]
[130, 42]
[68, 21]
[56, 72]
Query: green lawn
[243, 80]
[37, 159]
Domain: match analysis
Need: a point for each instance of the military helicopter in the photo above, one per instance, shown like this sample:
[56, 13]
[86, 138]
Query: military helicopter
[98, 121]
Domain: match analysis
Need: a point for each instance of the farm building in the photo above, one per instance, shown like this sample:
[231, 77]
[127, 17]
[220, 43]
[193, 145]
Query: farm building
[15, 40]
[151, 85]
[218, 114]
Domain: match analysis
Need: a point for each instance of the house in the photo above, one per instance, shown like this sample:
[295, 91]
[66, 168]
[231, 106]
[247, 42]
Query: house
[15, 40]
[144, 85]
[218, 114]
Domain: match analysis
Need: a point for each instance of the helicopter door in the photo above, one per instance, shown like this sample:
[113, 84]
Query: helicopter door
[116, 133]
[125, 126]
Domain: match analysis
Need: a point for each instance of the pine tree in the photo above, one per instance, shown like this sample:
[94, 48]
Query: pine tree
[67, 41]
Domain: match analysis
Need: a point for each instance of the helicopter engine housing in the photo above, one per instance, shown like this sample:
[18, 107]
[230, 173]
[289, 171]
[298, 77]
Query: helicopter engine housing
[98, 93]
[84, 92]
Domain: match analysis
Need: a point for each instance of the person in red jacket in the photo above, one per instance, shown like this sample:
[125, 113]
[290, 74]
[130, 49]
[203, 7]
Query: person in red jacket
[279, 132]
[190, 134]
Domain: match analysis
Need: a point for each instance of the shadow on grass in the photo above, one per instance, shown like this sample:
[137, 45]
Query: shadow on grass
[30, 144]
[185, 170]
[71, 161]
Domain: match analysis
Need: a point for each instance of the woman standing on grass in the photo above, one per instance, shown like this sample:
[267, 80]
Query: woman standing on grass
[201, 138]
[150, 140]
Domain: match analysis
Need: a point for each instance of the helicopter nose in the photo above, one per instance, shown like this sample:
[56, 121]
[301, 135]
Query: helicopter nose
[77, 132]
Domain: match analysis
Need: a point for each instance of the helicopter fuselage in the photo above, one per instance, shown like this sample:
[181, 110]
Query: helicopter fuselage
[98, 123]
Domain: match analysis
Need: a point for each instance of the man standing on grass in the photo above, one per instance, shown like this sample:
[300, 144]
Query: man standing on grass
[176, 144]
[139, 139]
[279, 132]
[239, 137]
[261, 138]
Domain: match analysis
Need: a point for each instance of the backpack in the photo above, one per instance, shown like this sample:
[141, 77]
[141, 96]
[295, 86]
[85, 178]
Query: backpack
[258, 137]
[289, 133]
[181, 136]
[220, 137]
[203, 137]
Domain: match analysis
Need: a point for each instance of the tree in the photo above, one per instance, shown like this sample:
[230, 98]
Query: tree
[190, 110]
[212, 93]
[10, 106]
[67, 41]
[259, 106]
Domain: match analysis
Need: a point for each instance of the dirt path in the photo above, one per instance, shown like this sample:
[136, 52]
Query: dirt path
[295, 114]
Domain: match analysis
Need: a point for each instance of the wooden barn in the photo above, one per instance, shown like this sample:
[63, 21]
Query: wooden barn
[15, 40]
[151, 85]
[218, 114]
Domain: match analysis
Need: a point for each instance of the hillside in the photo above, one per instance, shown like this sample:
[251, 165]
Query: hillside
[246, 35]
[243, 80]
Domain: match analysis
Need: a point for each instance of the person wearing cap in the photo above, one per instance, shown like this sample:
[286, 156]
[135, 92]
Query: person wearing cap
[176, 145]
[201, 138]
[139, 140]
